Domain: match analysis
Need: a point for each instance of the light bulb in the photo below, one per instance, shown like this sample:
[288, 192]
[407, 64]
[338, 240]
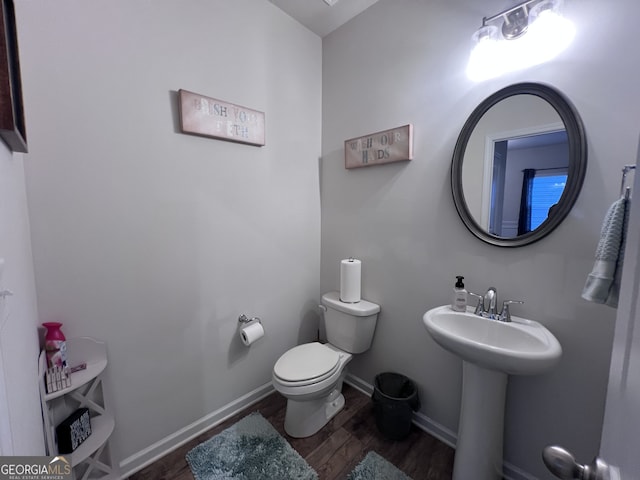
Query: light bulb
[550, 34]
[485, 59]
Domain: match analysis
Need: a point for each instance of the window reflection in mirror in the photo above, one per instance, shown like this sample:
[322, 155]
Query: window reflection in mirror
[515, 165]
[529, 175]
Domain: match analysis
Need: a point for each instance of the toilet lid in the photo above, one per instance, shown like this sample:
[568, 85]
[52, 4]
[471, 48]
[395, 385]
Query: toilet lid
[306, 362]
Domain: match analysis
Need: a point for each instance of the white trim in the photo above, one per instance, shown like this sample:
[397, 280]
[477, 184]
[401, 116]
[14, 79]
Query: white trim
[435, 429]
[442, 433]
[148, 455]
[487, 180]
[526, 132]
[359, 384]
[511, 472]
[509, 228]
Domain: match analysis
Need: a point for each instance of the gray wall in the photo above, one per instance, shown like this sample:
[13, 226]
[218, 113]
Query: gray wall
[20, 420]
[403, 61]
[155, 241]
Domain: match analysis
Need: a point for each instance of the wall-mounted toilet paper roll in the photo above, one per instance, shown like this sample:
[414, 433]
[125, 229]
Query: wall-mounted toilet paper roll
[350, 273]
[251, 333]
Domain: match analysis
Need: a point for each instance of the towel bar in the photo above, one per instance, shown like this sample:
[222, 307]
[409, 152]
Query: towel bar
[625, 171]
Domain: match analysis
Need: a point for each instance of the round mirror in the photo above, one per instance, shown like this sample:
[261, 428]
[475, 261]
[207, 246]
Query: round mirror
[518, 165]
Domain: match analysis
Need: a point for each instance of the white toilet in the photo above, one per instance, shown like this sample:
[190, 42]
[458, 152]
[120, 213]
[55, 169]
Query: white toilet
[311, 375]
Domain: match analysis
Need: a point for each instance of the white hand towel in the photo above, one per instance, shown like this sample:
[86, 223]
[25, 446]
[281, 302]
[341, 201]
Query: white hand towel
[603, 283]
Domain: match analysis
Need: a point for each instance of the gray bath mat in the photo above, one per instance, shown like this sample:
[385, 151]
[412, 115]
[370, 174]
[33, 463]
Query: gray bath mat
[374, 467]
[251, 449]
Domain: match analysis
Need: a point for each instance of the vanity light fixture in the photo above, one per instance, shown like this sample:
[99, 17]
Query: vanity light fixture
[530, 33]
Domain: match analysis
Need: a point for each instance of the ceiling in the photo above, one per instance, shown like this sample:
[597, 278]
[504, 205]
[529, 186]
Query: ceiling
[319, 16]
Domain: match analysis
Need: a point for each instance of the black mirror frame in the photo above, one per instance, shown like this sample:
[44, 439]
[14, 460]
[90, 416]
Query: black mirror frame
[577, 162]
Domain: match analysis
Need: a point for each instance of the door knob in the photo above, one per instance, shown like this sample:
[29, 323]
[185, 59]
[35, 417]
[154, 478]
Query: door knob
[563, 465]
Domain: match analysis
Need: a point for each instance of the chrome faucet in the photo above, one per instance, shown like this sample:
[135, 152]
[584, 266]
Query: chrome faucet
[486, 306]
[492, 297]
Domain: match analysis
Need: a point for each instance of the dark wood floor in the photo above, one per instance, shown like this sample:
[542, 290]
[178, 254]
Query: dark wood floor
[335, 450]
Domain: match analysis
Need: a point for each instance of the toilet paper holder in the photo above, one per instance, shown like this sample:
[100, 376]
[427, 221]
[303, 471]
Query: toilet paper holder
[244, 320]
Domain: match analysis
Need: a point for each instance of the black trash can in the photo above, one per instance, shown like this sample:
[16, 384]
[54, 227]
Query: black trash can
[395, 398]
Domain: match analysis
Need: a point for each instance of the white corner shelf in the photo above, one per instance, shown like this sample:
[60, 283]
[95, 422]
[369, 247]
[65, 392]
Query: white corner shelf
[79, 379]
[92, 459]
[101, 429]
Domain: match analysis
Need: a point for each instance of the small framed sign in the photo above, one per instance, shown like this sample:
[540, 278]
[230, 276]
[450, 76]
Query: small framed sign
[74, 430]
[394, 145]
[209, 117]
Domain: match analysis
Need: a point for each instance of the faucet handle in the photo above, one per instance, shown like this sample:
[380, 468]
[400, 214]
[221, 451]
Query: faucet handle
[480, 305]
[505, 314]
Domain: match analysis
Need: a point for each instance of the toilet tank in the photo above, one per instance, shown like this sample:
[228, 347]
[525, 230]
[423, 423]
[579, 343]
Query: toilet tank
[349, 326]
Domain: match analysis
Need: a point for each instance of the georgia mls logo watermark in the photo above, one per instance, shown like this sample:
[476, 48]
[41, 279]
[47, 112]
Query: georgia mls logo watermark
[35, 468]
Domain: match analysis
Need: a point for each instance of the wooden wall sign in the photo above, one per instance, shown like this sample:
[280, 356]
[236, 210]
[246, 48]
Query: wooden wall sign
[388, 146]
[209, 117]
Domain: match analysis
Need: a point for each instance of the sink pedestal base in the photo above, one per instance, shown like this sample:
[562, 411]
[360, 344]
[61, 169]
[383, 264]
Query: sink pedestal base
[481, 427]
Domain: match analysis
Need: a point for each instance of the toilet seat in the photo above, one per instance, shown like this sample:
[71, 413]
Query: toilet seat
[306, 364]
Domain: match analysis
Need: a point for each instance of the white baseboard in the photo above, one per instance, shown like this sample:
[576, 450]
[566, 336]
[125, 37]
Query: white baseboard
[145, 457]
[442, 433]
[511, 472]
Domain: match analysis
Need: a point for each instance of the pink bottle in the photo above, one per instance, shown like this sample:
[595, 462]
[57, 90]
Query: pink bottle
[55, 345]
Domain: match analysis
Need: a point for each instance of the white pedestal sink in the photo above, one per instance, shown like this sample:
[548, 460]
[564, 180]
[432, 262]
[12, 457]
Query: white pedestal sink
[490, 351]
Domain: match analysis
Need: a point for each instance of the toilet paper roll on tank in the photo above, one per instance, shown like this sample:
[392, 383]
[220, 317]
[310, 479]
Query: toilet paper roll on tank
[350, 280]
